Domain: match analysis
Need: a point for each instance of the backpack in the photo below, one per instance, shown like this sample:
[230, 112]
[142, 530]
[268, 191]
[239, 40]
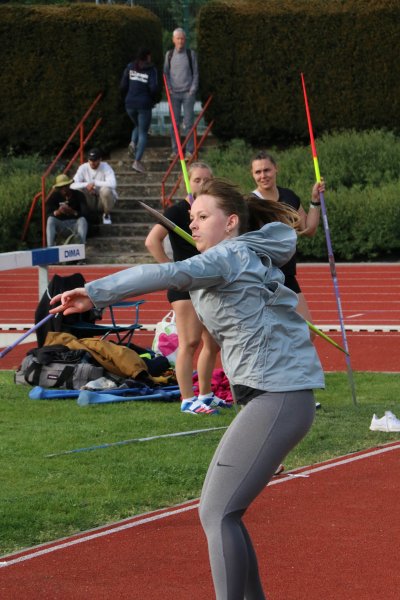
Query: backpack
[189, 55]
[57, 285]
[36, 368]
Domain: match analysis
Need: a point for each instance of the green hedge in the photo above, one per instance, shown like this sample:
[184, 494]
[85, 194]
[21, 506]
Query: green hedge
[251, 54]
[56, 59]
[19, 182]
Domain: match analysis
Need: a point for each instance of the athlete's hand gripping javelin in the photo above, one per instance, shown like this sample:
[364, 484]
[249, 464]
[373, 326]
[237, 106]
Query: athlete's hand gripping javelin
[72, 301]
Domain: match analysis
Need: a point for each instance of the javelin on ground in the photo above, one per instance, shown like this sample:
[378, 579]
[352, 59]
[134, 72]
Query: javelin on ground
[125, 442]
[332, 264]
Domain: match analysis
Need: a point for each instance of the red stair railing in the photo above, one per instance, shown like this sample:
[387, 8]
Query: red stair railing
[167, 198]
[83, 139]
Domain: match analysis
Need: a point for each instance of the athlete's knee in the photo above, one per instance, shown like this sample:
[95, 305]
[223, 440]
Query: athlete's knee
[189, 346]
[213, 516]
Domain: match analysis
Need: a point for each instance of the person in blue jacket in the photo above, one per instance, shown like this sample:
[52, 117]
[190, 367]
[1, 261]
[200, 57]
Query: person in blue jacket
[238, 292]
[140, 84]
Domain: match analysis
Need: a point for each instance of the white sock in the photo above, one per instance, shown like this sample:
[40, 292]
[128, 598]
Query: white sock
[203, 397]
[192, 399]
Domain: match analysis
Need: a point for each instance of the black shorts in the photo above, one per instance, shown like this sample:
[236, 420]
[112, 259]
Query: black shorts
[292, 283]
[174, 295]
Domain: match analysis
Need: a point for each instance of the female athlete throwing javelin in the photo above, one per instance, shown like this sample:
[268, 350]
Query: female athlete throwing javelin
[237, 290]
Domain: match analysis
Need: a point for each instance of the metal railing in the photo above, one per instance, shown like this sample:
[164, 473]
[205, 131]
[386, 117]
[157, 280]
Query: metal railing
[83, 139]
[167, 198]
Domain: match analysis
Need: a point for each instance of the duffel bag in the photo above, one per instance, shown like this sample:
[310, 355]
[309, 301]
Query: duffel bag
[56, 374]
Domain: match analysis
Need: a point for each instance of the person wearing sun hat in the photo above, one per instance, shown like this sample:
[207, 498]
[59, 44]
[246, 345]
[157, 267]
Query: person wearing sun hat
[65, 211]
[96, 179]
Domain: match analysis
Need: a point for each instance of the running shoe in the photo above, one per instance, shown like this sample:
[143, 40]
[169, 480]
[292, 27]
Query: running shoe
[137, 166]
[389, 422]
[106, 219]
[197, 408]
[131, 150]
[214, 402]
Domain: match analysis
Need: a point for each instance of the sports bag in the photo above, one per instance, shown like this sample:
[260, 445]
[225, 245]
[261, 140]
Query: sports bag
[166, 341]
[70, 376]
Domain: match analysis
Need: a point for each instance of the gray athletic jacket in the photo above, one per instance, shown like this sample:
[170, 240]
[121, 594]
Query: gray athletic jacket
[238, 293]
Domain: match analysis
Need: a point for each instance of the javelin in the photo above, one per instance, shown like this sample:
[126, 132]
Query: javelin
[168, 224]
[178, 143]
[332, 264]
[25, 335]
[125, 442]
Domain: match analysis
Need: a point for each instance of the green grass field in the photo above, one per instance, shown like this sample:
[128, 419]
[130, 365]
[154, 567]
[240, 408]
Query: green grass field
[43, 498]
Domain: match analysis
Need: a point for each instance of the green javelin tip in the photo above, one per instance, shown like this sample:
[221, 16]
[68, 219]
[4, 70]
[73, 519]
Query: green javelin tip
[184, 234]
[326, 337]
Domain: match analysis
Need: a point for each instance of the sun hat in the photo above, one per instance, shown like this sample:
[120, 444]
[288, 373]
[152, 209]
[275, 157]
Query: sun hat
[62, 180]
[94, 154]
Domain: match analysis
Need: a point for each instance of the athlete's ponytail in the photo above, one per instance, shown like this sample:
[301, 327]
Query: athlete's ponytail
[262, 211]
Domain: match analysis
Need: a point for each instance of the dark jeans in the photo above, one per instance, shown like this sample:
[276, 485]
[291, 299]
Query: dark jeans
[141, 118]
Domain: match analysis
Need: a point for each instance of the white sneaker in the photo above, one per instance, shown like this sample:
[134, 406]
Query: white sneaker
[137, 166]
[107, 220]
[389, 422]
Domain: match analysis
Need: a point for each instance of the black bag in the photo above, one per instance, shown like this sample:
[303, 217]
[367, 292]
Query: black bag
[56, 286]
[70, 376]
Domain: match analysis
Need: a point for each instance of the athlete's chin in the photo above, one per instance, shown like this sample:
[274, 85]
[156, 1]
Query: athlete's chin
[201, 245]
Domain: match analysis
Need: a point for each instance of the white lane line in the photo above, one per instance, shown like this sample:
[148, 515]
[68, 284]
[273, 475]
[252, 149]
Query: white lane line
[183, 508]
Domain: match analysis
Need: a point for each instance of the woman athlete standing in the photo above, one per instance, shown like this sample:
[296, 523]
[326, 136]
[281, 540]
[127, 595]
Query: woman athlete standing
[237, 290]
[265, 170]
[191, 333]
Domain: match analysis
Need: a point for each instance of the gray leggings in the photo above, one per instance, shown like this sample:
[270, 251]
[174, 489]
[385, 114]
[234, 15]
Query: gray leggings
[261, 435]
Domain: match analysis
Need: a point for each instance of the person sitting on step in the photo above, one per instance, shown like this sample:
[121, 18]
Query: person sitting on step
[96, 179]
[66, 211]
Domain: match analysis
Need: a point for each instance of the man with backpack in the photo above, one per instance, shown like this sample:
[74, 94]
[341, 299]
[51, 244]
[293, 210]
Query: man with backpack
[182, 74]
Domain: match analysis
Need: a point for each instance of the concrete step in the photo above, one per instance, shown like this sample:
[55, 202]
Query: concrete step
[156, 165]
[126, 211]
[125, 249]
[122, 229]
[141, 189]
[102, 244]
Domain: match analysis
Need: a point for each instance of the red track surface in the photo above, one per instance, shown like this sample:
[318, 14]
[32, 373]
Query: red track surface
[370, 298]
[330, 534]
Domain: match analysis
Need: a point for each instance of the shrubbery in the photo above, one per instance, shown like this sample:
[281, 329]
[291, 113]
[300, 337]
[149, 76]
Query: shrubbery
[361, 171]
[251, 54]
[19, 182]
[55, 62]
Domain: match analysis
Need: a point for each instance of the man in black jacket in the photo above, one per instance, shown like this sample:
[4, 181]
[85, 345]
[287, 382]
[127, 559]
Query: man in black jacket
[66, 211]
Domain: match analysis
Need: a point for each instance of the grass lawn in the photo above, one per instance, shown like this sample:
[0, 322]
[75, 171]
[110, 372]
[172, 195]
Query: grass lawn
[43, 498]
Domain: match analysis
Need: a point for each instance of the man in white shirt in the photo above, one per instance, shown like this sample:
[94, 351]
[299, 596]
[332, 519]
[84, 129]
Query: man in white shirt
[96, 179]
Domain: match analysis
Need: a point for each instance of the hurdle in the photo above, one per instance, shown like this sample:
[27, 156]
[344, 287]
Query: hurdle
[40, 258]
